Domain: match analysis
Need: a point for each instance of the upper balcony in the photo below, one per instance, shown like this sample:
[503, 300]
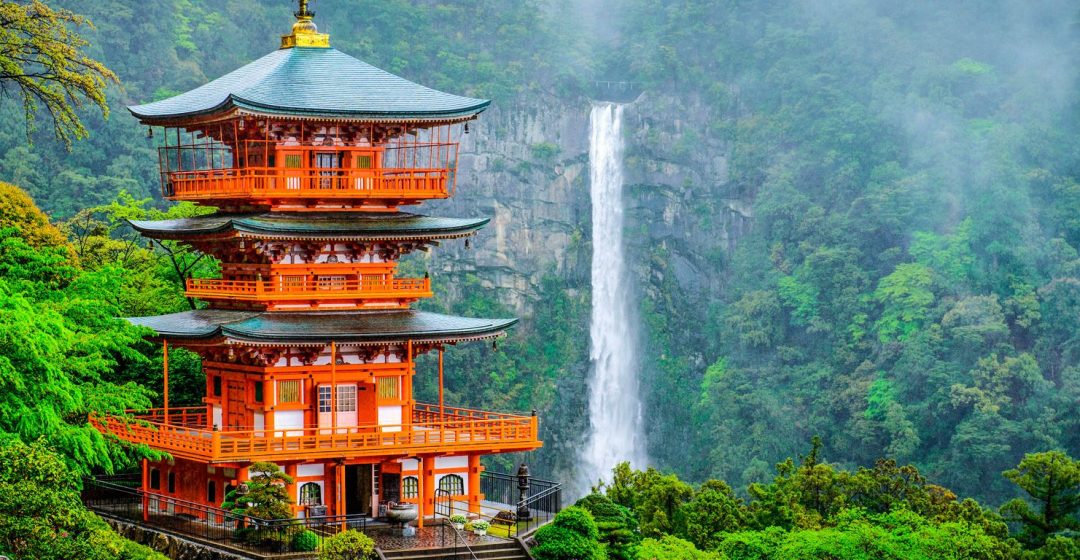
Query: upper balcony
[326, 170]
[186, 433]
[286, 291]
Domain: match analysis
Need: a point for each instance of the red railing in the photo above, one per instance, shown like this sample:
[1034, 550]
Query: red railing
[407, 184]
[401, 170]
[456, 430]
[289, 289]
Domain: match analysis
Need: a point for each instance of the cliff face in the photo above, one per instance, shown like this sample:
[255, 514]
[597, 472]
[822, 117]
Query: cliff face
[526, 166]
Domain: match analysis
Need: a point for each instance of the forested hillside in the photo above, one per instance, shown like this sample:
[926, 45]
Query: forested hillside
[908, 281]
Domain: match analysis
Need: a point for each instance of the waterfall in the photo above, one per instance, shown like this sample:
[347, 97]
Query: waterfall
[615, 415]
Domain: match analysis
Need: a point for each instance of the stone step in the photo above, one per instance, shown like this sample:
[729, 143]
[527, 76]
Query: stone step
[461, 554]
[487, 551]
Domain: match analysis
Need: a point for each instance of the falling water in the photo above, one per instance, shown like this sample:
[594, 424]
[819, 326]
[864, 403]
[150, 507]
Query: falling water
[614, 406]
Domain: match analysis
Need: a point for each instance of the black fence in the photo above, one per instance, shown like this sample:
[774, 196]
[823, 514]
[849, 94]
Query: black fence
[117, 498]
[542, 500]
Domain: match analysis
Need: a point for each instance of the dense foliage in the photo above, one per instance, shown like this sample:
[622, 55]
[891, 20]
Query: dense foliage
[906, 286]
[41, 515]
[348, 545]
[812, 509]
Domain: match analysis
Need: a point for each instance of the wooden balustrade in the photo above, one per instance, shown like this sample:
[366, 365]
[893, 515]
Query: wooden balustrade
[284, 289]
[320, 183]
[456, 430]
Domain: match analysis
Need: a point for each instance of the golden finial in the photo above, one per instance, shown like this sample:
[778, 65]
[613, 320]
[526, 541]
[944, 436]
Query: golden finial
[304, 32]
[304, 13]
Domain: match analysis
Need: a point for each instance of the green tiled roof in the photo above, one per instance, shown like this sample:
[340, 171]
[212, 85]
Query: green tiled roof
[374, 225]
[322, 327]
[319, 82]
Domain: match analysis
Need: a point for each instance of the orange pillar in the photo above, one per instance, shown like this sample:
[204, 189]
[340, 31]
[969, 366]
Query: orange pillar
[427, 476]
[145, 489]
[475, 497]
[421, 487]
[290, 470]
[333, 387]
[339, 489]
[442, 412]
[165, 366]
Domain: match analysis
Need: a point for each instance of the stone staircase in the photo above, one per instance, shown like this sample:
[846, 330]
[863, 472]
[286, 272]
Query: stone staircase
[506, 550]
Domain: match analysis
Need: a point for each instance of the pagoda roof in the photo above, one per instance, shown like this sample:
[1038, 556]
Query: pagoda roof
[360, 327]
[366, 225]
[316, 83]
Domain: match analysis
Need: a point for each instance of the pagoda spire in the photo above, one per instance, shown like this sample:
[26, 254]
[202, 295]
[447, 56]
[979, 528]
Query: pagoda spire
[304, 32]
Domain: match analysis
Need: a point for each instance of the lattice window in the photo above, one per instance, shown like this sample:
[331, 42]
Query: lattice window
[324, 398]
[289, 391]
[452, 483]
[363, 162]
[410, 487]
[332, 282]
[292, 161]
[389, 388]
[293, 281]
[346, 398]
[311, 494]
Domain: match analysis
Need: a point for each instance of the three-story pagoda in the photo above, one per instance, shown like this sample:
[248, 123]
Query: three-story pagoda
[309, 343]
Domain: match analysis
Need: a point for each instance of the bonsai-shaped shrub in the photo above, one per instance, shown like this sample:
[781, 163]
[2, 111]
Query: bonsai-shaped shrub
[305, 541]
[572, 536]
[617, 526]
[266, 498]
[348, 545]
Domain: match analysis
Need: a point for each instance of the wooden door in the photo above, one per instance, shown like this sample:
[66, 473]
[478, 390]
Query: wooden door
[237, 412]
[367, 405]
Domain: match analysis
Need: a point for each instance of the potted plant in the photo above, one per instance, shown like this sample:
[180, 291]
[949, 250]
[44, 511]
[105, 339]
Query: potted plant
[458, 521]
[480, 527]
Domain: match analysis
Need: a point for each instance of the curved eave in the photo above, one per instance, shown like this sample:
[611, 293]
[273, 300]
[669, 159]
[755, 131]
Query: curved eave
[248, 225]
[296, 328]
[232, 104]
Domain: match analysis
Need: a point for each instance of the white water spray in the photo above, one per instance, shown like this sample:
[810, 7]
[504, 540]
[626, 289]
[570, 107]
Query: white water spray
[615, 415]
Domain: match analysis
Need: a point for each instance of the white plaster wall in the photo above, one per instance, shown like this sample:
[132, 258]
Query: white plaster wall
[317, 469]
[291, 420]
[390, 416]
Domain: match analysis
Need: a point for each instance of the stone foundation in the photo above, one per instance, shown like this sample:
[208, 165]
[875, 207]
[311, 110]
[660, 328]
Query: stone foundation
[177, 548]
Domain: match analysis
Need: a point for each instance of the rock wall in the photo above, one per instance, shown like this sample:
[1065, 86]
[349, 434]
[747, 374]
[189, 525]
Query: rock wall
[172, 546]
[525, 165]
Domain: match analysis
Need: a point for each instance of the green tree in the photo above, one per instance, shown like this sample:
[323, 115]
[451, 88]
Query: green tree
[905, 297]
[572, 535]
[1051, 480]
[43, 58]
[618, 529]
[714, 510]
[42, 516]
[60, 345]
[17, 210]
[673, 548]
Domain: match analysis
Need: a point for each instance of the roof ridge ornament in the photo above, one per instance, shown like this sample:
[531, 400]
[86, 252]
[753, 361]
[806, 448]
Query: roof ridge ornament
[304, 32]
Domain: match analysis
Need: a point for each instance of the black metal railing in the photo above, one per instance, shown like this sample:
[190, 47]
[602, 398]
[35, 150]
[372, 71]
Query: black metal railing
[543, 499]
[116, 498]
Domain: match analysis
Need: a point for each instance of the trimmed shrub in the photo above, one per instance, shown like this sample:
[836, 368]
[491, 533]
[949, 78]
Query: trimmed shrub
[348, 545]
[305, 541]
